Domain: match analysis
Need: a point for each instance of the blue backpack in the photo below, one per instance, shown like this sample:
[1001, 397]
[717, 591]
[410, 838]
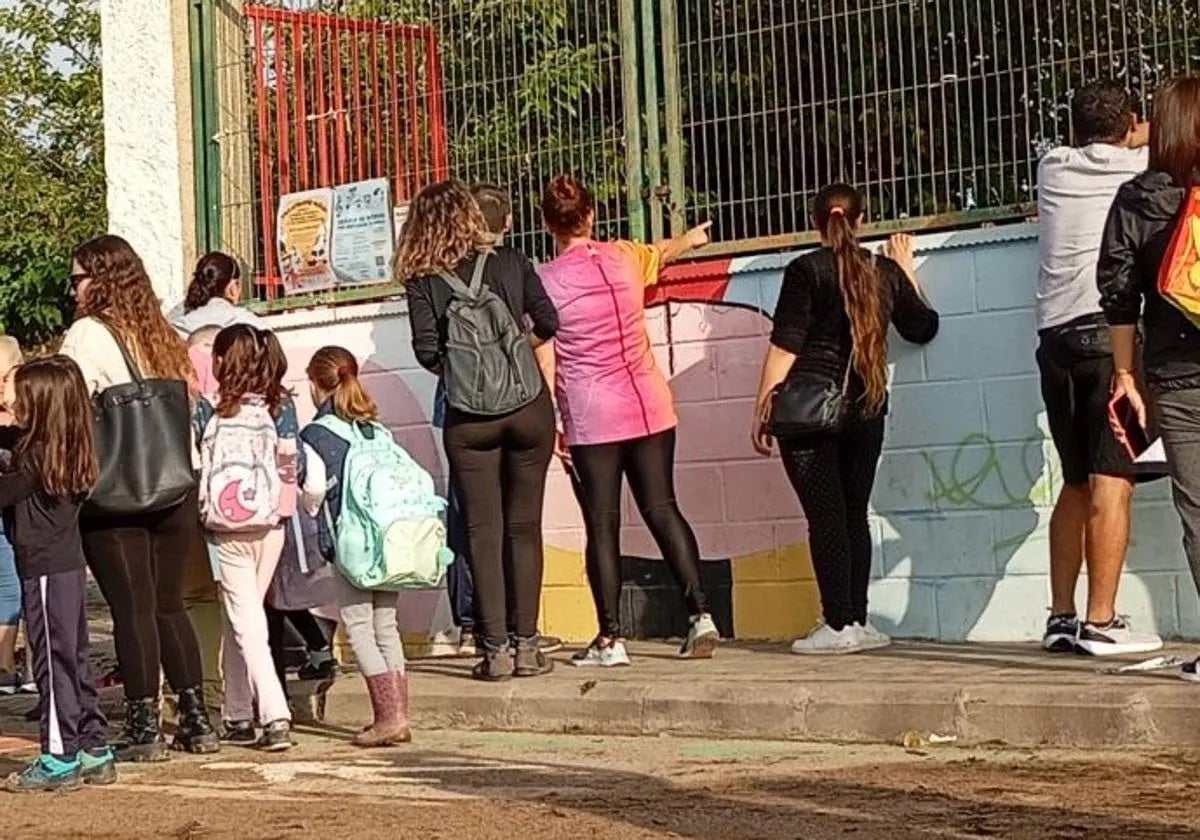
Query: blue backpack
[390, 533]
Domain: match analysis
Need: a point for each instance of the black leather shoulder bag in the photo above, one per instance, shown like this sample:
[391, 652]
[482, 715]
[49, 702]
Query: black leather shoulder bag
[808, 404]
[143, 440]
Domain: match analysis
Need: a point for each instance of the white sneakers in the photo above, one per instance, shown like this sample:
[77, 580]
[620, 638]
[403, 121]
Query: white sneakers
[609, 653]
[853, 638]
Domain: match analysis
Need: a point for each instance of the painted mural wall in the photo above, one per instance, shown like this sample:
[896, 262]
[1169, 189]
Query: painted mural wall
[965, 486]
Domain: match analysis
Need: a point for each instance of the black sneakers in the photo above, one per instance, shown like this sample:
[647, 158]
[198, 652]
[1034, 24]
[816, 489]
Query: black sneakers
[276, 737]
[239, 732]
[1061, 633]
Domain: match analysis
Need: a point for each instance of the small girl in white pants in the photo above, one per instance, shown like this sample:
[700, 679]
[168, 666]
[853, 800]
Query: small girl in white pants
[369, 617]
[245, 523]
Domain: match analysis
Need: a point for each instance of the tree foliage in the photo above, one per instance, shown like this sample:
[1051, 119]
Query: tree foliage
[51, 156]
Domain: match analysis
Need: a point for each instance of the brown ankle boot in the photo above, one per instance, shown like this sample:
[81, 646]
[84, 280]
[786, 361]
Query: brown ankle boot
[386, 729]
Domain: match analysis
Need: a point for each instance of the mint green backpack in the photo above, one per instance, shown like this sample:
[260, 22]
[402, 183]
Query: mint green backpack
[390, 533]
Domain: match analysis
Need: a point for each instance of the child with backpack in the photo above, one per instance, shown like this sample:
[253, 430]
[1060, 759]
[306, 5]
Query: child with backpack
[54, 468]
[380, 517]
[321, 663]
[248, 472]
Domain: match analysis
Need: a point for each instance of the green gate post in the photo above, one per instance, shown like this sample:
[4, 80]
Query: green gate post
[631, 102]
[653, 134]
[205, 124]
[673, 98]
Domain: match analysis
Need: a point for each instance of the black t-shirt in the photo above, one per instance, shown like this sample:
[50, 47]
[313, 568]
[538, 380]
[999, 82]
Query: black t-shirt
[44, 530]
[508, 273]
[810, 318]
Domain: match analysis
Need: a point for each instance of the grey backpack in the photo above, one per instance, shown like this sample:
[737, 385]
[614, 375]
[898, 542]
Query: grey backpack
[489, 367]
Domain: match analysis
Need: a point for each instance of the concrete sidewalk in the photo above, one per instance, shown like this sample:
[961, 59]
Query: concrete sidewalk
[1013, 694]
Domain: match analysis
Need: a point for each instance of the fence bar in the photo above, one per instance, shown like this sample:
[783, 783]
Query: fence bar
[654, 192]
[632, 119]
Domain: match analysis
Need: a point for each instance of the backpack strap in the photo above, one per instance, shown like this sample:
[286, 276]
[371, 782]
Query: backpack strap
[458, 287]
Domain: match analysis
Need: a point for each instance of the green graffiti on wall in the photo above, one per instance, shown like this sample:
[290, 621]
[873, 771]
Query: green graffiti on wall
[976, 476]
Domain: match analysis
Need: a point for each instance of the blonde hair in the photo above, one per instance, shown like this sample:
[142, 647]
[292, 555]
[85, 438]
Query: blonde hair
[204, 337]
[334, 371]
[10, 353]
[444, 227]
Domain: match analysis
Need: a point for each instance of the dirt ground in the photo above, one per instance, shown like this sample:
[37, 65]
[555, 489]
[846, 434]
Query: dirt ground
[456, 785]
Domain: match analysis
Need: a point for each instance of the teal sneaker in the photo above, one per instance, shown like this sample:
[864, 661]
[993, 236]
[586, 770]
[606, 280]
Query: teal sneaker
[45, 773]
[98, 766]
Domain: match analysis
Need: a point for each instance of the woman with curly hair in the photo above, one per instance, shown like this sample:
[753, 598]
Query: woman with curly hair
[140, 560]
[498, 453]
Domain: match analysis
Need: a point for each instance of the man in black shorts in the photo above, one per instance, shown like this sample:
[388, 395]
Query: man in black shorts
[1076, 187]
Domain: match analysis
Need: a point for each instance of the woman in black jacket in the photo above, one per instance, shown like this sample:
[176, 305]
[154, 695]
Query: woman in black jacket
[1139, 228]
[499, 460]
[831, 322]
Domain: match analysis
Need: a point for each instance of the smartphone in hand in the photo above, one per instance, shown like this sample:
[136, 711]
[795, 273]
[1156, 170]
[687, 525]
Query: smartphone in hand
[1136, 439]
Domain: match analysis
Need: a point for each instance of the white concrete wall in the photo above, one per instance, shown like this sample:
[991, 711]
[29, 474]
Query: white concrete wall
[147, 135]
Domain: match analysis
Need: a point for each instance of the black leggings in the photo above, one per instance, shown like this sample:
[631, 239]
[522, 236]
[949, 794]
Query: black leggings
[649, 464]
[499, 465]
[306, 626]
[140, 562]
[833, 475]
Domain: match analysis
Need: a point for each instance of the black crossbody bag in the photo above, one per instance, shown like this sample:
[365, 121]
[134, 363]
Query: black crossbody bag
[808, 404]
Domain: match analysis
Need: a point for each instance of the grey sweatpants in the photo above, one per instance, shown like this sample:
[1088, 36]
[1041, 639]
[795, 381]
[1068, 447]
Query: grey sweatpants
[369, 619]
[1179, 423]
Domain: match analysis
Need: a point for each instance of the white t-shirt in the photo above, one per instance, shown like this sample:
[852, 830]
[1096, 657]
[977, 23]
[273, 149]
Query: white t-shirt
[1076, 188]
[92, 347]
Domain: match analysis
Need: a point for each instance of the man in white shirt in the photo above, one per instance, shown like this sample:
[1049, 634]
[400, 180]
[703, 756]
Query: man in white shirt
[1076, 187]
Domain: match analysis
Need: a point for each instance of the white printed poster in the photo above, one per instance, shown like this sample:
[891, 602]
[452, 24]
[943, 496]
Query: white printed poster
[363, 241]
[304, 225]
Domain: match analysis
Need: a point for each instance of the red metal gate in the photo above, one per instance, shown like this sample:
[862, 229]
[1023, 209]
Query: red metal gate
[341, 99]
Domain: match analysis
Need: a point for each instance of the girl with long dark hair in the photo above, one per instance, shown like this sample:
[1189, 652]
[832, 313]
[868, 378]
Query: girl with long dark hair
[831, 322]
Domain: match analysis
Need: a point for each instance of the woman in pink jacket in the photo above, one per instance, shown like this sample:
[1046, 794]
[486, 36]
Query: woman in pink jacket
[617, 412]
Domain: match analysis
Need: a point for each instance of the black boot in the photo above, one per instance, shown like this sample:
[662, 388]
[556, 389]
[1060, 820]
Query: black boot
[142, 738]
[195, 733]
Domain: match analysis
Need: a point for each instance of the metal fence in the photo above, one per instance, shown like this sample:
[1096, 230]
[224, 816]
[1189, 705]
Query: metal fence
[738, 111]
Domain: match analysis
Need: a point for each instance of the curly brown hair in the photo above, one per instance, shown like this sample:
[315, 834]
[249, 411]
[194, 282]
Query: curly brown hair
[120, 294]
[444, 227]
[54, 409]
[244, 362]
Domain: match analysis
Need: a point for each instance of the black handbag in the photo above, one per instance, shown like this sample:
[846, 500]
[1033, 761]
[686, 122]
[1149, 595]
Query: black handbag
[143, 440]
[808, 404]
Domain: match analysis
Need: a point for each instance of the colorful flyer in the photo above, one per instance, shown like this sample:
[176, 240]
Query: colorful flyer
[305, 224]
[363, 241]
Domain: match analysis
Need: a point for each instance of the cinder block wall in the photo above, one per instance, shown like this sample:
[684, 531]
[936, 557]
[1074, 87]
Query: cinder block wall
[965, 485]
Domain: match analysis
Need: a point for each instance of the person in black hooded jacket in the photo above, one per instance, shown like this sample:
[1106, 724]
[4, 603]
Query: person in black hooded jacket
[1136, 237]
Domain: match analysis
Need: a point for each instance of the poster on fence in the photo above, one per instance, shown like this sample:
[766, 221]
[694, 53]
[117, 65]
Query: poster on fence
[362, 232]
[305, 223]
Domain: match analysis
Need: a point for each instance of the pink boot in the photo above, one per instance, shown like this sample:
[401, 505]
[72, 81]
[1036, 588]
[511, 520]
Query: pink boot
[402, 720]
[385, 703]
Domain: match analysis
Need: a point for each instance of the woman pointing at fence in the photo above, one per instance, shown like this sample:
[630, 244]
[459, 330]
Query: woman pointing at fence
[617, 410]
